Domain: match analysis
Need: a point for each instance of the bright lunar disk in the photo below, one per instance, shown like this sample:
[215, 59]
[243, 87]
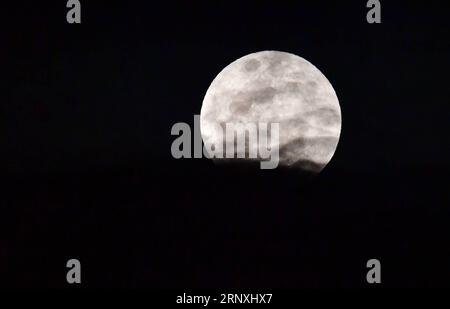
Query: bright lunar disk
[277, 87]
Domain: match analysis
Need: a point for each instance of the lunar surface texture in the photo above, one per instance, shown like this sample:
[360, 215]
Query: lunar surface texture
[277, 87]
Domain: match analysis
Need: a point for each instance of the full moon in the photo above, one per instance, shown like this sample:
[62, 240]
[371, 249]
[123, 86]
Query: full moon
[283, 88]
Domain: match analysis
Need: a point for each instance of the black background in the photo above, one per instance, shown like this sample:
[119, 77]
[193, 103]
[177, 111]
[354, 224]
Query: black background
[86, 169]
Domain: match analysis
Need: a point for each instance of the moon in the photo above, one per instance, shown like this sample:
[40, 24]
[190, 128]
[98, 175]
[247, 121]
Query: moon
[277, 87]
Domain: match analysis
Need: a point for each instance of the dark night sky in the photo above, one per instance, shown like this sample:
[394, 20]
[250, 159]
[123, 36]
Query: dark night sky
[85, 121]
